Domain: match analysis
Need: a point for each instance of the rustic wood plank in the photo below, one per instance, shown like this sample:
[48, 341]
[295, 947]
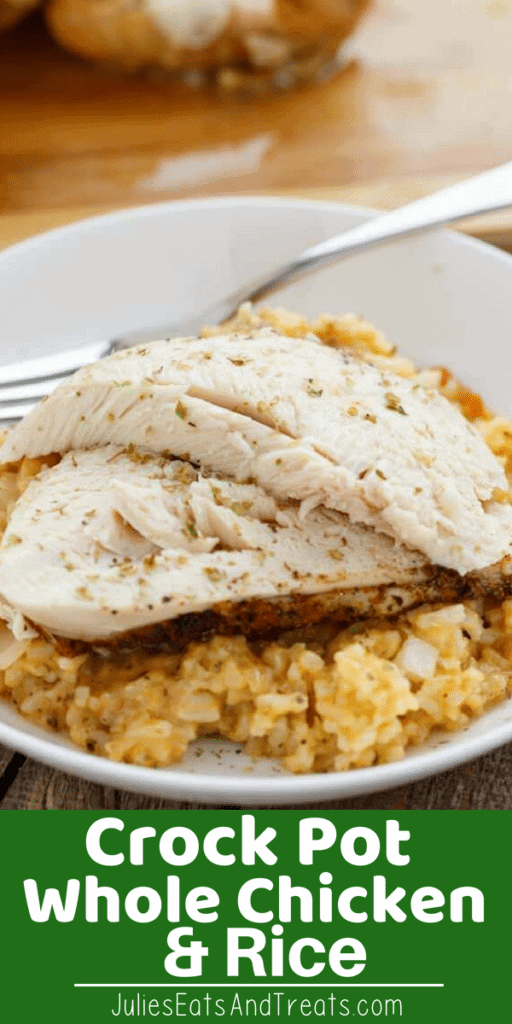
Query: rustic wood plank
[6, 756]
[11, 763]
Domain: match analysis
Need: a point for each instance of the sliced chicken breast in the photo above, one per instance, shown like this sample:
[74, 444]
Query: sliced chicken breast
[304, 422]
[111, 541]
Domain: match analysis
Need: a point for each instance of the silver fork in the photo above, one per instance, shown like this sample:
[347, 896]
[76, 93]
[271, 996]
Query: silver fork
[23, 384]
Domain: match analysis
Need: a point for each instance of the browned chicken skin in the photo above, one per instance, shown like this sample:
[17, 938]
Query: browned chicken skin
[264, 619]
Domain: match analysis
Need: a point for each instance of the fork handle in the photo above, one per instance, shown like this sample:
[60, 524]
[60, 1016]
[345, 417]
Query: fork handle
[481, 194]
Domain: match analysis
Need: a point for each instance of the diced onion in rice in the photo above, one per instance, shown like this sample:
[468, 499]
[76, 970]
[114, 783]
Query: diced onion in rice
[417, 658]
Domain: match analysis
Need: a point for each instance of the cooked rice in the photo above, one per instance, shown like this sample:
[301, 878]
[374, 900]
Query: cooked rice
[328, 700]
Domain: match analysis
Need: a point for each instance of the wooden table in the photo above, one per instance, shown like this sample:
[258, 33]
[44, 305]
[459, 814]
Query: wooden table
[424, 99]
[425, 91]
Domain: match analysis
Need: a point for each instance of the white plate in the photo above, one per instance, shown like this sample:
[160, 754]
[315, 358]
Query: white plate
[442, 298]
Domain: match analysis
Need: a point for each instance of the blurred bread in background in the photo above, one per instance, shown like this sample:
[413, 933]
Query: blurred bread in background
[12, 11]
[278, 42]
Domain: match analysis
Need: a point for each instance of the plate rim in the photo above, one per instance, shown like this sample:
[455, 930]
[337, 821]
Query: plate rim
[212, 202]
[265, 791]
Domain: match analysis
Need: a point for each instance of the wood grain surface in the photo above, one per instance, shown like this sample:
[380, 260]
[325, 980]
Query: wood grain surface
[423, 99]
[425, 90]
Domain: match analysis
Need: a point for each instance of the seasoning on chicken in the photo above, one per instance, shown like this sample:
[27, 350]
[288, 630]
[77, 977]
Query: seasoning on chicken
[113, 541]
[304, 422]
